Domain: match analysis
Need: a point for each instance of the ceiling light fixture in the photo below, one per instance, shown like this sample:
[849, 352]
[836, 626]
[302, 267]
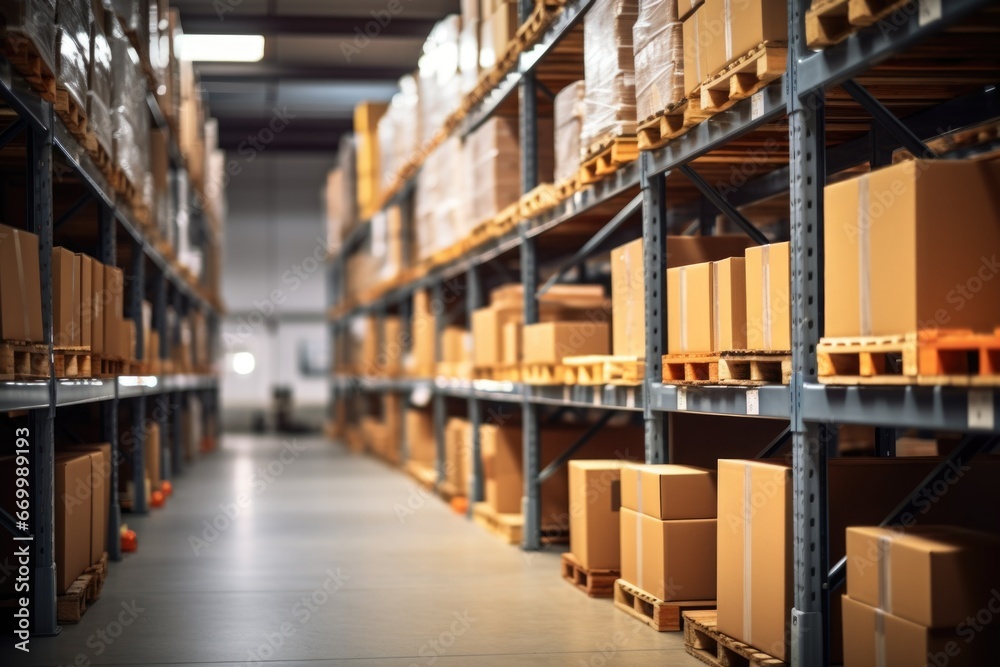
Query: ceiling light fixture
[220, 48]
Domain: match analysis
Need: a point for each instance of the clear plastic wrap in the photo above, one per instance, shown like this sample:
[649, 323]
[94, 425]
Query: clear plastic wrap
[568, 116]
[34, 20]
[73, 20]
[99, 87]
[494, 158]
[659, 70]
[609, 70]
[439, 76]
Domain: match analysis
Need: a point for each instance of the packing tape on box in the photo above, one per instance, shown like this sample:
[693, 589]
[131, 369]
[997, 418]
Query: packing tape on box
[696, 49]
[715, 307]
[765, 264]
[747, 543]
[880, 652]
[864, 258]
[638, 528]
[682, 280]
[22, 279]
[729, 31]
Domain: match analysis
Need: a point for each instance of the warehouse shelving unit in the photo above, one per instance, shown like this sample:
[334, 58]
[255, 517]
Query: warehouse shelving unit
[54, 154]
[807, 110]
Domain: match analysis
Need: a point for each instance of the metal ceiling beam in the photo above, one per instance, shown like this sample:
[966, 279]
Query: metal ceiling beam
[261, 73]
[328, 26]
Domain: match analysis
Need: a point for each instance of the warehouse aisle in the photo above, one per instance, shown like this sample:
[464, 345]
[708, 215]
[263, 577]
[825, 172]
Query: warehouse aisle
[335, 559]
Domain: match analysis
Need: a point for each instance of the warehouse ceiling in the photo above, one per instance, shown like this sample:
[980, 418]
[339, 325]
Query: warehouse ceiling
[318, 62]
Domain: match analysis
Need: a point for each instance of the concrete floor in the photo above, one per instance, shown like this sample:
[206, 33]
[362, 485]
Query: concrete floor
[335, 559]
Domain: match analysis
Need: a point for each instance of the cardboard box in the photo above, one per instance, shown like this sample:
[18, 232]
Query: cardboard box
[685, 7]
[769, 306]
[65, 292]
[729, 297]
[85, 299]
[666, 491]
[873, 638]
[113, 295]
[458, 454]
[20, 286]
[695, 41]
[72, 517]
[735, 28]
[98, 306]
[594, 504]
[487, 326]
[510, 349]
[934, 576]
[628, 282]
[892, 268]
[670, 560]
[690, 311]
[422, 331]
[391, 346]
[455, 344]
[98, 490]
[550, 342]
[420, 438]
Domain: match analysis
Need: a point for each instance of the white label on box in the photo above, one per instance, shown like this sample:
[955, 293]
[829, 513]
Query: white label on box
[757, 105]
[930, 11]
[981, 409]
[630, 398]
[597, 395]
[421, 395]
[566, 396]
[682, 398]
[753, 402]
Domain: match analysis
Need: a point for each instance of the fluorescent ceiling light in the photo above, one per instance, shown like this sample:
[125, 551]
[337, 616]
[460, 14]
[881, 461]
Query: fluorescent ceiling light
[221, 48]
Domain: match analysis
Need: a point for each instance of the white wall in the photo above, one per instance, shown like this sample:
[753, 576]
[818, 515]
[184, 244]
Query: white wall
[274, 280]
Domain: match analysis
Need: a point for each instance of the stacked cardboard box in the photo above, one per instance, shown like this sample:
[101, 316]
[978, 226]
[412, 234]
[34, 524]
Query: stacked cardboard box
[73, 22]
[341, 196]
[439, 76]
[892, 269]
[498, 27]
[668, 531]
[422, 361]
[551, 342]
[568, 116]
[609, 71]
[35, 21]
[442, 199]
[707, 305]
[468, 46]
[458, 455]
[594, 508]
[913, 597]
[420, 439]
[628, 280]
[99, 80]
[659, 57]
[494, 154]
[366, 119]
[20, 287]
[398, 130]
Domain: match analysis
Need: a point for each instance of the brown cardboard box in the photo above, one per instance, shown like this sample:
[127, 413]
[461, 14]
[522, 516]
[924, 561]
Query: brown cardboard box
[153, 455]
[423, 334]
[113, 295]
[550, 342]
[487, 326]
[695, 47]
[20, 286]
[768, 280]
[594, 503]
[65, 292]
[690, 308]
[420, 440]
[672, 560]
[685, 7]
[873, 638]
[455, 345]
[510, 350]
[72, 518]
[85, 299]
[391, 346]
[126, 339]
[750, 22]
[98, 306]
[98, 490]
[897, 269]
[730, 302]
[458, 454]
[628, 282]
[934, 576]
[666, 491]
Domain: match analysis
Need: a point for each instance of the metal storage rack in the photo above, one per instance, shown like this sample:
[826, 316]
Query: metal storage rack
[52, 151]
[812, 409]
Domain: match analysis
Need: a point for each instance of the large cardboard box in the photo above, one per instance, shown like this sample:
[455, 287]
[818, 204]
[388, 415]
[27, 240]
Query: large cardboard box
[390, 354]
[420, 438]
[510, 349]
[458, 454]
[113, 295]
[769, 306]
[594, 504]
[20, 286]
[97, 307]
[670, 560]
[487, 330]
[550, 342]
[892, 268]
[734, 28]
[422, 332]
[85, 299]
[666, 491]
[729, 298]
[72, 517]
[695, 41]
[97, 491]
[685, 7]
[934, 576]
[628, 282]
[690, 309]
[873, 638]
[65, 292]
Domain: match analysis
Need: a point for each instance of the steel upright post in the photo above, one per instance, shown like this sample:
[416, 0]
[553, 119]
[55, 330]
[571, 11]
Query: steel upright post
[654, 243]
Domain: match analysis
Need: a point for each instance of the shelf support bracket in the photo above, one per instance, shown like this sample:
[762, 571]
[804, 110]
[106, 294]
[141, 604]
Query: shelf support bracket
[76, 208]
[775, 445]
[12, 131]
[723, 205]
[561, 460]
[896, 128]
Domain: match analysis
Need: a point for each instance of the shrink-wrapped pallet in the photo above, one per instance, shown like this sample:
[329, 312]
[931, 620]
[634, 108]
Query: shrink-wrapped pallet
[609, 71]
[568, 119]
[495, 158]
[31, 21]
[72, 50]
[99, 86]
[659, 57]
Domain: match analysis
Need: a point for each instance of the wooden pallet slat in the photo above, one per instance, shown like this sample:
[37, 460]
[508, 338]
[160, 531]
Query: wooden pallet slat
[672, 122]
[685, 368]
[607, 156]
[752, 368]
[509, 527]
[595, 583]
[546, 374]
[660, 615]
[22, 53]
[82, 593]
[21, 360]
[72, 362]
[593, 370]
[703, 641]
[744, 77]
[832, 21]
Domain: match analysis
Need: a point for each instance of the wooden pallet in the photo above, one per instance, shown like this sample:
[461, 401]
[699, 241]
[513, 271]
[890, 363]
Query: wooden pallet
[20, 360]
[654, 612]
[459, 369]
[529, 32]
[755, 367]
[938, 356]
[23, 56]
[72, 114]
[509, 527]
[72, 362]
[831, 21]
[82, 593]
[545, 374]
[103, 366]
[608, 156]
[604, 369]
[684, 368]
[595, 583]
[507, 219]
[672, 122]
[743, 77]
[568, 187]
[703, 641]
[540, 199]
